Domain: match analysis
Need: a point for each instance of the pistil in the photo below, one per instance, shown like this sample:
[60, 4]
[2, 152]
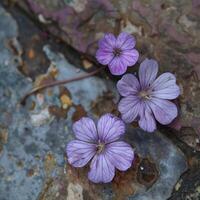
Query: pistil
[144, 94]
[100, 147]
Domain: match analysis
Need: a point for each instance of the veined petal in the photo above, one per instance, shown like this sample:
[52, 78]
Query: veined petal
[79, 153]
[117, 66]
[129, 107]
[108, 42]
[165, 87]
[125, 41]
[110, 128]
[148, 72]
[147, 121]
[85, 130]
[130, 57]
[163, 110]
[120, 154]
[101, 170]
[128, 85]
[104, 57]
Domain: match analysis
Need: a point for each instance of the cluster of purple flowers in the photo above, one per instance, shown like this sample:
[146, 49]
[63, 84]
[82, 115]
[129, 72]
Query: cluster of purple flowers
[144, 99]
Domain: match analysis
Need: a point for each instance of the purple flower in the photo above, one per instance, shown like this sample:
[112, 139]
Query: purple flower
[118, 53]
[101, 145]
[148, 99]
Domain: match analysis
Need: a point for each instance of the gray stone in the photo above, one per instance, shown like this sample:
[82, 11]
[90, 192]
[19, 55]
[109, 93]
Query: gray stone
[169, 160]
[33, 162]
[167, 30]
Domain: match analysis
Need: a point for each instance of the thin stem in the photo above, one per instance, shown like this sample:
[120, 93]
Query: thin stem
[36, 89]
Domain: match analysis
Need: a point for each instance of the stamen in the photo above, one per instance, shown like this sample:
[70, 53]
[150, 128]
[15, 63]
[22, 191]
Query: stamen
[117, 52]
[144, 94]
[100, 147]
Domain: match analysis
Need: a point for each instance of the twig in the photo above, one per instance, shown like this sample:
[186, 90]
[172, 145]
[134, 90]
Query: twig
[54, 83]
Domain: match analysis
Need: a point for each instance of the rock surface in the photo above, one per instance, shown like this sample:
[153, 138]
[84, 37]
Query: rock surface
[167, 30]
[33, 137]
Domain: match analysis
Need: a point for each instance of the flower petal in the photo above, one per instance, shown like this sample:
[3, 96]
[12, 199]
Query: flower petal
[108, 42]
[120, 154]
[101, 170]
[79, 153]
[147, 72]
[165, 87]
[163, 110]
[147, 121]
[130, 57]
[110, 128]
[128, 85]
[125, 41]
[104, 57]
[85, 130]
[117, 66]
[129, 108]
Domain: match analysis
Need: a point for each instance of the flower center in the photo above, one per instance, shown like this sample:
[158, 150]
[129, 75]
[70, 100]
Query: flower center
[100, 147]
[144, 94]
[117, 52]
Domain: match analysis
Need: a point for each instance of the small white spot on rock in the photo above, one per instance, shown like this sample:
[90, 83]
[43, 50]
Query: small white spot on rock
[141, 168]
[43, 20]
[197, 140]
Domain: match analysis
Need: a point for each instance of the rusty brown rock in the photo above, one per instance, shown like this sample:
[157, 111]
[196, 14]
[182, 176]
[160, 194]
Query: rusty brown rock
[57, 111]
[3, 135]
[79, 113]
[3, 138]
[147, 172]
[104, 104]
[49, 163]
[128, 178]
